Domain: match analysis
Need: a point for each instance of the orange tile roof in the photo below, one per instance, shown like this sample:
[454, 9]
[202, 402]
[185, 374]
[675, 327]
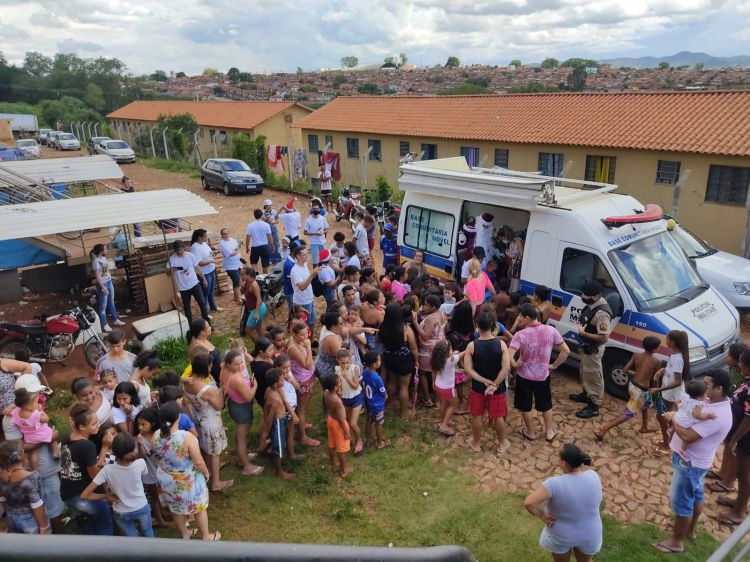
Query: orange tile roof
[715, 122]
[230, 114]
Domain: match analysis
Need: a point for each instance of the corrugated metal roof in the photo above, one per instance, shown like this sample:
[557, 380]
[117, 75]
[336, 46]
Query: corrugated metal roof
[713, 122]
[65, 170]
[19, 121]
[99, 211]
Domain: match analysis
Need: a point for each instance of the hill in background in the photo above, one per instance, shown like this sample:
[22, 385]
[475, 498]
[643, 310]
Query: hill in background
[680, 59]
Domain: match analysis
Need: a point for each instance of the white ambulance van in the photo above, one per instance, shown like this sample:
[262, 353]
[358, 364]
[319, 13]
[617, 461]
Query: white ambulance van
[574, 232]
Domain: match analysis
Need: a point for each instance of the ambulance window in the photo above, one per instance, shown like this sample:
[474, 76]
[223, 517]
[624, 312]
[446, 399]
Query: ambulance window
[578, 267]
[428, 230]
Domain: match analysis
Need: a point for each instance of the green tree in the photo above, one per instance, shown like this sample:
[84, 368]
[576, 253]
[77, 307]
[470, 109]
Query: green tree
[158, 76]
[245, 77]
[452, 62]
[390, 60]
[532, 88]
[576, 81]
[516, 62]
[481, 81]
[574, 62]
[209, 71]
[94, 97]
[338, 80]
[233, 74]
[403, 59]
[698, 66]
[180, 74]
[349, 62]
[368, 88]
[550, 63]
[300, 70]
[663, 65]
[37, 64]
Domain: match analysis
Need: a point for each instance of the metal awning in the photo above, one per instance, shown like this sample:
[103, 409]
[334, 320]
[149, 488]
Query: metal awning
[64, 170]
[46, 218]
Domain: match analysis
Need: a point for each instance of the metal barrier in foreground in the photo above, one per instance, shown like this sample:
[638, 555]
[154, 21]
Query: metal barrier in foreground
[74, 548]
[728, 550]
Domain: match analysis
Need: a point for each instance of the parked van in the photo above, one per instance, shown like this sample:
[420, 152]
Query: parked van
[570, 232]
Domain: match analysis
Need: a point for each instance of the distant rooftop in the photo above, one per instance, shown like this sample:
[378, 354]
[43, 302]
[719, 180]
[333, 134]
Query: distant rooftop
[230, 114]
[716, 122]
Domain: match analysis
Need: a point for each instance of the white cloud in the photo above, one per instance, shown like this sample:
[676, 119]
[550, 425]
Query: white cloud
[190, 35]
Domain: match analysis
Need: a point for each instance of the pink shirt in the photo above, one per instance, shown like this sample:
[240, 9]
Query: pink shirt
[32, 428]
[701, 453]
[399, 291]
[475, 288]
[535, 342]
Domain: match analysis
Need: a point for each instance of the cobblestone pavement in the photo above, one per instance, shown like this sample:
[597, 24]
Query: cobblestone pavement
[635, 482]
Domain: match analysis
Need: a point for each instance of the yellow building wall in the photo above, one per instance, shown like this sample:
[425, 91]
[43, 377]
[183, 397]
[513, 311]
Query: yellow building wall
[723, 226]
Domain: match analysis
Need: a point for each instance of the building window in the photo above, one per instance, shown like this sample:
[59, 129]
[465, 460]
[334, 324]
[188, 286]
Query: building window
[600, 169]
[329, 142]
[428, 230]
[471, 154]
[223, 137]
[501, 157]
[550, 163]
[312, 143]
[667, 172]
[352, 148]
[429, 152]
[211, 135]
[403, 148]
[727, 184]
[375, 153]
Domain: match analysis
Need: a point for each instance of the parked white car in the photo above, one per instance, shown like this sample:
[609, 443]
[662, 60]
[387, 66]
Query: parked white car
[118, 150]
[43, 136]
[67, 141]
[30, 147]
[727, 273]
[52, 138]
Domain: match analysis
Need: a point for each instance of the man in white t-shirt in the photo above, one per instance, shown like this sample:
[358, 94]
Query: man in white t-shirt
[326, 186]
[693, 451]
[360, 240]
[185, 271]
[301, 278]
[230, 251]
[259, 241]
[291, 219]
[316, 227]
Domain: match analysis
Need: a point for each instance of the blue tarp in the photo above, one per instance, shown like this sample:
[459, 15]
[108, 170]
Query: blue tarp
[9, 154]
[19, 253]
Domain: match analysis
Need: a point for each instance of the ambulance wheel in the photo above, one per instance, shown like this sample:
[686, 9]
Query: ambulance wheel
[615, 377]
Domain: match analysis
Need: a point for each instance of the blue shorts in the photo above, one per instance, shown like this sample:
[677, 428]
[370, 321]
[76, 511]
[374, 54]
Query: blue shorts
[241, 414]
[356, 401]
[315, 252]
[278, 437]
[53, 504]
[687, 486]
[234, 275]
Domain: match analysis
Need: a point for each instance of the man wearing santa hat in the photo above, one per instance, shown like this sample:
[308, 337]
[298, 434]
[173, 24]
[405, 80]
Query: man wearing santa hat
[291, 219]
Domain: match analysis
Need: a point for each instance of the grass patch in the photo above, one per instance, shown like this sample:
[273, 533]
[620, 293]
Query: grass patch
[172, 166]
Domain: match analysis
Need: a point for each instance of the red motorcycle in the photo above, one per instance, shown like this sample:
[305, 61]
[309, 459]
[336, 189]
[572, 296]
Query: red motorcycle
[52, 340]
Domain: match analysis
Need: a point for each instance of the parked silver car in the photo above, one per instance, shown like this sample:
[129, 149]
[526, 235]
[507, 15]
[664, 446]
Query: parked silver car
[67, 141]
[30, 147]
[42, 137]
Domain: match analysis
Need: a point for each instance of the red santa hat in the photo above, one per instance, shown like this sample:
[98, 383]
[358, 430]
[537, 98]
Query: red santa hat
[290, 204]
[324, 256]
[470, 226]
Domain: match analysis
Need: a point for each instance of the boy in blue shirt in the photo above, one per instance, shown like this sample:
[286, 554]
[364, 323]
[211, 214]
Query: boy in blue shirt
[375, 397]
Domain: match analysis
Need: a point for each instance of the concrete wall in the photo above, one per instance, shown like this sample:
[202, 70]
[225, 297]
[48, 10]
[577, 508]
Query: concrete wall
[635, 172]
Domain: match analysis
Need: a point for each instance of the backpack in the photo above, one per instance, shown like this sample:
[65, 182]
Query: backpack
[317, 287]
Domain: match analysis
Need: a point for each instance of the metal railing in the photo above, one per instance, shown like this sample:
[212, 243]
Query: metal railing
[730, 549]
[74, 548]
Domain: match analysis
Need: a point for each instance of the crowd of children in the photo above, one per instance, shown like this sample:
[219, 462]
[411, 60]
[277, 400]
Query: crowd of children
[146, 445]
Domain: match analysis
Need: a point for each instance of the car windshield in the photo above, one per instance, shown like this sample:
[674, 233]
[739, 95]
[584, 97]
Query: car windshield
[67, 137]
[99, 140]
[25, 143]
[235, 166]
[657, 273]
[117, 144]
[693, 246]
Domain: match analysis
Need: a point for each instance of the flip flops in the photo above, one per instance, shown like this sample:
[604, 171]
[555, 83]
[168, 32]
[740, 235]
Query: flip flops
[503, 448]
[446, 432]
[667, 549]
[548, 438]
[472, 446]
[525, 433]
[720, 488]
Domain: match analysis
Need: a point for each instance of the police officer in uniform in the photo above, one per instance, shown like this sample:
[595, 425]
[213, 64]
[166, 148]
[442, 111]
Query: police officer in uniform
[594, 332]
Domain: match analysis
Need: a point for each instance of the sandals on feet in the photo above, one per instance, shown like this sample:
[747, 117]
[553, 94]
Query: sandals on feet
[551, 434]
[523, 431]
[472, 446]
[447, 432]
[224, 486]
[503, 448]
[720, 488]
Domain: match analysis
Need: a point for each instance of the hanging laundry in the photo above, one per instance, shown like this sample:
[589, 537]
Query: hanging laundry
[300, 163]
[332, 161]
[320, 158]
[275, 160]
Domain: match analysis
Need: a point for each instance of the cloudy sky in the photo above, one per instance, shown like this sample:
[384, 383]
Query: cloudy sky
[266, 36]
